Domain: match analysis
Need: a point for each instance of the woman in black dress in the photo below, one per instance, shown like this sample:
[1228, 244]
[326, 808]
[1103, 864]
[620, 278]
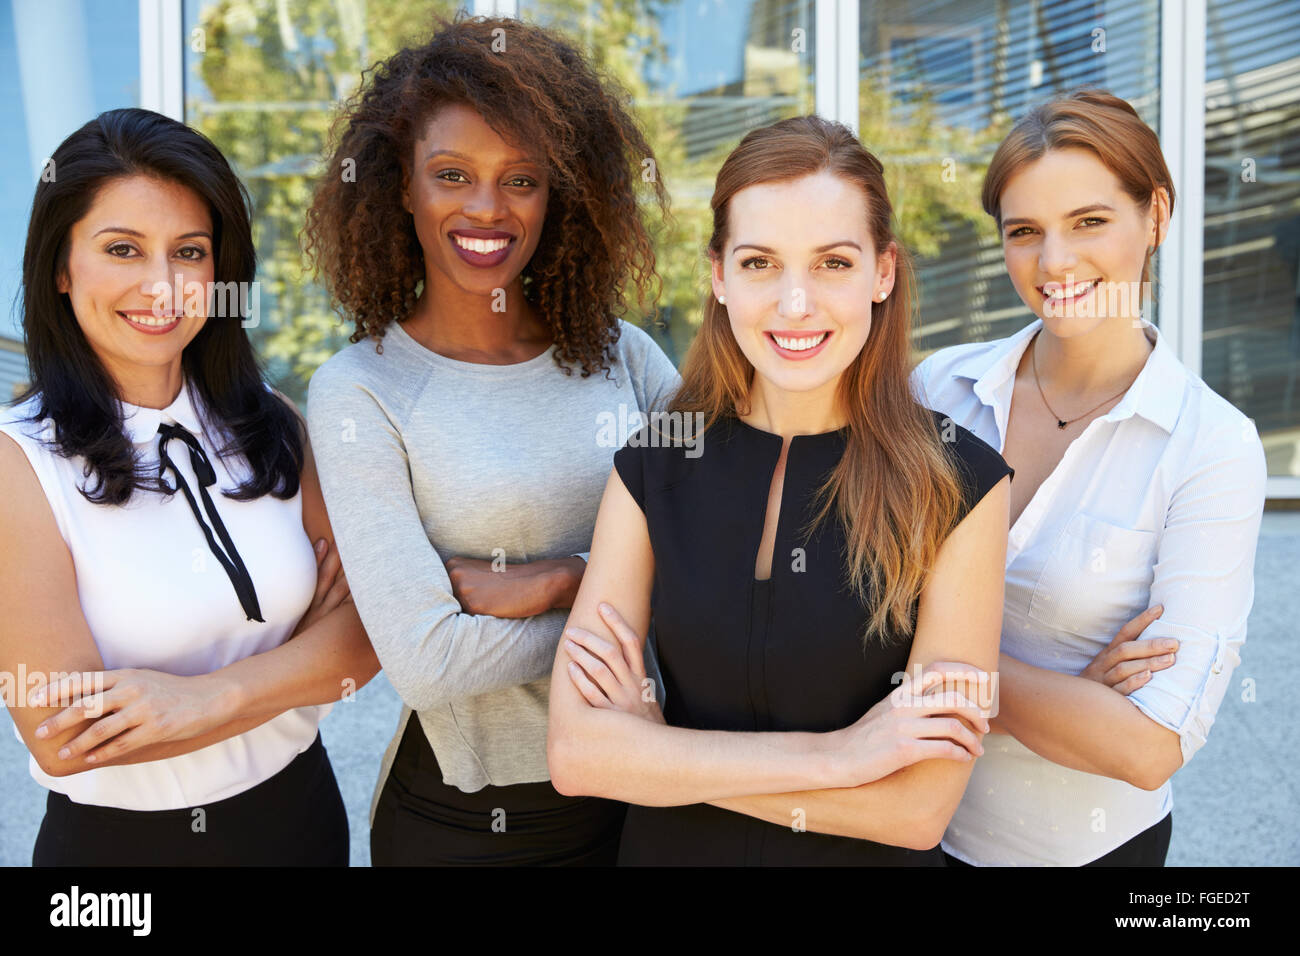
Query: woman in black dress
[806, 535]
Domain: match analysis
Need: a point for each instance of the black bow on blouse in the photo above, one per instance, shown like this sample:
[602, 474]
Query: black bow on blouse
[204, 472]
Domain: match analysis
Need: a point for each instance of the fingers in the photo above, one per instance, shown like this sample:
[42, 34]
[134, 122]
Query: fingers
[123, 743]
[923, 749]
[610, 655]
[1127, 687]
[1133, 668]
[593, 694]
[338, 591]
[954, 703]
[946, 728]
[594, 666]
[102, 730]
[628, 639]
[324, 574]
[1133, 628]
[69, 690]
[1140, 650]
[330, 568]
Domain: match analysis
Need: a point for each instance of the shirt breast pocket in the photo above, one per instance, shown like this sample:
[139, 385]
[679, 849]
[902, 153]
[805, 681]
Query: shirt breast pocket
[1097, 578]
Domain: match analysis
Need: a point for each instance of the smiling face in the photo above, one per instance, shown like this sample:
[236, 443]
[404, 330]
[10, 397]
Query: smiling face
[1075, 241]
[139, 234]
[799, 275]
[478, 202]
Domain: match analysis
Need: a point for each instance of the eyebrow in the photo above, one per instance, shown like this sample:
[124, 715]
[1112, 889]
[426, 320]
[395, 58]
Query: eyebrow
[772, 252]
[513, 161]
[1095, 207]
[200, 234]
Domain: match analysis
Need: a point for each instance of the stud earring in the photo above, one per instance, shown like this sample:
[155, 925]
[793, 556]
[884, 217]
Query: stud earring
[722, 300]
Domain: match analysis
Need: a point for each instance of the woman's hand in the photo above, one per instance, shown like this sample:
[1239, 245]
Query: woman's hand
[1126, 663]
[514, 590]
[916, 721]
[331, 587]
[131, 708]
[612, 675]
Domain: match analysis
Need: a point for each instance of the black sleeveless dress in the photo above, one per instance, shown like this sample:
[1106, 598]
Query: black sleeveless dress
[738, 654]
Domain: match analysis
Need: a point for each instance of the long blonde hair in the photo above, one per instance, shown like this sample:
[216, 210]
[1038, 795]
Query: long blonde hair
[895, 490]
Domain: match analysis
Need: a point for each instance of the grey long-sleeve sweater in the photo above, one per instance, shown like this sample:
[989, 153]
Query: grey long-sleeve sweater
[422, 457]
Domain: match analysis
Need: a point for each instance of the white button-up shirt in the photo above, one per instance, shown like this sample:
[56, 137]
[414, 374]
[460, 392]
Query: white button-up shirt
[1157, 502]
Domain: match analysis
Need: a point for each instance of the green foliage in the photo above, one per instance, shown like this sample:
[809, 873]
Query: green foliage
[270, 76]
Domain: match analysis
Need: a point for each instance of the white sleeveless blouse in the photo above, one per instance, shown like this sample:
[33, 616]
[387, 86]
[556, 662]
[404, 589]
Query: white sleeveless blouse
[154, 596]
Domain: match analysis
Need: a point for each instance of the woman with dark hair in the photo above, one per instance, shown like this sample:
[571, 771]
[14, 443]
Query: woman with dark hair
[479, 223]
[182, 656]
[1138, 499]
[828, 539]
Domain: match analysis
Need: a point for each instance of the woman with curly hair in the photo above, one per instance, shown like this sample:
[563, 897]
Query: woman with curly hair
[479, 222]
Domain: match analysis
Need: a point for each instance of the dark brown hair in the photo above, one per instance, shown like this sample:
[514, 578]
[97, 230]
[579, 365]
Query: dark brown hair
[73, 386]
[532, 87]
[895, 490]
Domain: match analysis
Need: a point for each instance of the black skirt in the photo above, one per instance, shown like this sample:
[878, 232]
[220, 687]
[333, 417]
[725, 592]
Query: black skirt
[294, 818]
[421, 821]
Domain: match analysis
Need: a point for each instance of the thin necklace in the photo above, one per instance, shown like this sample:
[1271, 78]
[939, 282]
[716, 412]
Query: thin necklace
[1061, 422]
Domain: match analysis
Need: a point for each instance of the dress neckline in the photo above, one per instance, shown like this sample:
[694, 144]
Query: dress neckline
[829, 438]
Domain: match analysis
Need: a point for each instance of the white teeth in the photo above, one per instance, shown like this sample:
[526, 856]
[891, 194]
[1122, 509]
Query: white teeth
[801, 344]
[1072, 291]
[482, 246]
[152, 320]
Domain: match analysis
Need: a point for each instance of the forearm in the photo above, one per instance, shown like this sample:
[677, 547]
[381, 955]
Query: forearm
[909, 808]
[1078, 723]
[320, 665]
[171, 748]
[622, 757]
[327, 661]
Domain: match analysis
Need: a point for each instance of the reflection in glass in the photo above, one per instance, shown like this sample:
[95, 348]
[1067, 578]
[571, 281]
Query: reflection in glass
[1251, 346]
[941, 83]
[96, 47]
[700, 73]
[263, 82]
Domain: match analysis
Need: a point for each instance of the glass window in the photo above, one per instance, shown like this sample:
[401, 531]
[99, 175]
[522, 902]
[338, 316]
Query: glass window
[1251, 324]
[262, 81]
[941, 83]
[39, 107]
[701, 73]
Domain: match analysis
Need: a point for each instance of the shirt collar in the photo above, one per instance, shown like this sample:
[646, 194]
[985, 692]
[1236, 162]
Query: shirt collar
[141, 424]
[1156, 394]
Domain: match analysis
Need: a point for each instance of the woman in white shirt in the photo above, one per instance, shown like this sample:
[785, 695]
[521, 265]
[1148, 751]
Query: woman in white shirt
[1136, 487]
[173, 662]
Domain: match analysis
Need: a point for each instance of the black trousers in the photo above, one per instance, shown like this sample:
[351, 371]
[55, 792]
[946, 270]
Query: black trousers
[1148, 848]
[295, 818]
[421, 821]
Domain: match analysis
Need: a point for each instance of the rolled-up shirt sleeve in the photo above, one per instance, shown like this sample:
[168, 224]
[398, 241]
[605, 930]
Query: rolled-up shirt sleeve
[1204, 577]
[432, 652]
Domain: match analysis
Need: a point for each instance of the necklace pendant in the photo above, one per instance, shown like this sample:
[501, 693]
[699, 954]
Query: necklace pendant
[1061, 424]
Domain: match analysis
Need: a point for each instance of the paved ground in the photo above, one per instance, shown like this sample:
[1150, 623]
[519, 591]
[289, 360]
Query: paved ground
[1234, 803]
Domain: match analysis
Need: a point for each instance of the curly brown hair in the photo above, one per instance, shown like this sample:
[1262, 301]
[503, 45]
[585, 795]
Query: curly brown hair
[531, 86]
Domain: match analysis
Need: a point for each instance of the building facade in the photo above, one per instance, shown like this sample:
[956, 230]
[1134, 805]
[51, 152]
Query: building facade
[929, 85]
